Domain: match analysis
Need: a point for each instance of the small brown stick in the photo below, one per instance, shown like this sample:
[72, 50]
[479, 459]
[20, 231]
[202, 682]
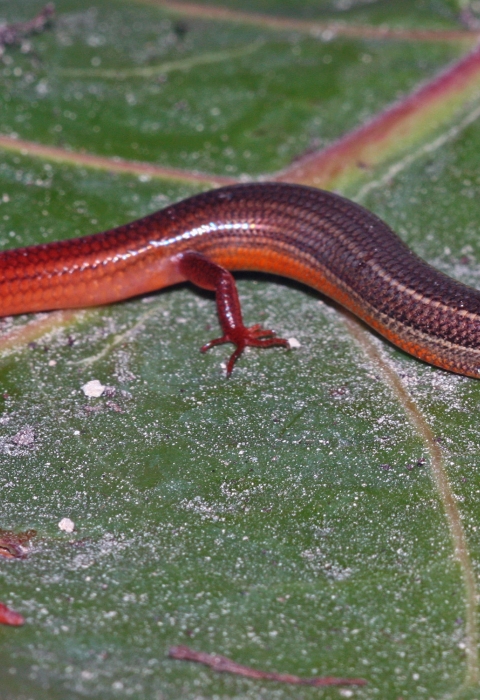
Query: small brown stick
[13, 545]
[13, 33]
[224, 665]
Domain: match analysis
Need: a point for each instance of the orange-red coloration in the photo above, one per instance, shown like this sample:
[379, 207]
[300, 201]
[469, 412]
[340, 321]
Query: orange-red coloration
[10, 617]
[313, 236]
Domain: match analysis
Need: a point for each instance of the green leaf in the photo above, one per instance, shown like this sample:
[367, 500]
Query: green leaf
[317, 513]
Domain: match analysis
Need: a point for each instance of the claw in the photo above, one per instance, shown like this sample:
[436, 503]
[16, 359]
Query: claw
[254, 336]
[212, 343]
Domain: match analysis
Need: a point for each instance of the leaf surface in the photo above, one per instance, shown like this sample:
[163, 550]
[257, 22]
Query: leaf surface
[299, 517]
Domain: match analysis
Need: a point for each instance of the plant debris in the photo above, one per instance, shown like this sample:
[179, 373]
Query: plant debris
[13, 544]
[224, 665]
[12, 34]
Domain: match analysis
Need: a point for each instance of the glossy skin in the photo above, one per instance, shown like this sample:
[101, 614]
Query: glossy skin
[315, 237]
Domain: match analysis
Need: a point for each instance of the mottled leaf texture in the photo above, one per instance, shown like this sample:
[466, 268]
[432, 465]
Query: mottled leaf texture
[317, 514]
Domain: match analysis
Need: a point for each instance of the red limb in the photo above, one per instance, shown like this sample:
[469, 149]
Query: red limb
[203, 272]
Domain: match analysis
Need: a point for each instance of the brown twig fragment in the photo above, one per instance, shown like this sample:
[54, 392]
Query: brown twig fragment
[224, 665]
[11, 34]
[13, 545]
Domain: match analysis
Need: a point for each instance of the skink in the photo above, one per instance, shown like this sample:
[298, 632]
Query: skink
[318, 238]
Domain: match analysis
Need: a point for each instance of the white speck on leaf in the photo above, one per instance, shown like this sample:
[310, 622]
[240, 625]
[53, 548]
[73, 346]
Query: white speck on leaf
[93, 389]
[66, 525]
